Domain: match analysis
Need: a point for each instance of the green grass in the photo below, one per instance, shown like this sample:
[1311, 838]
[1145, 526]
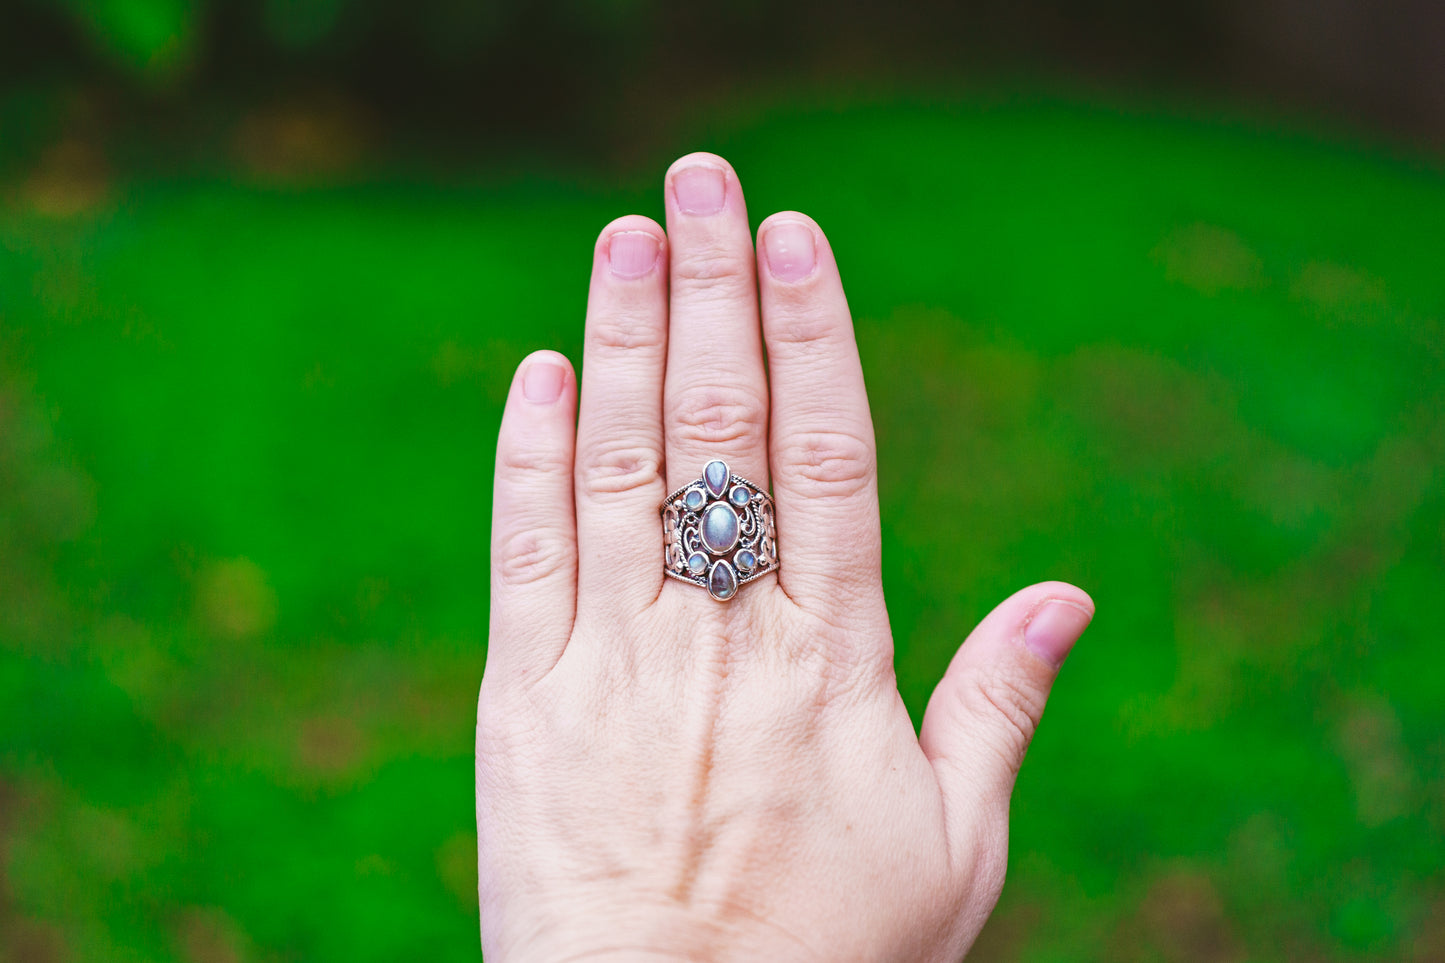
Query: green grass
[1197, 368]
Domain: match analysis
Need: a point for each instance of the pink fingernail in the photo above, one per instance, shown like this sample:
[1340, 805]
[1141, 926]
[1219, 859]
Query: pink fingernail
[1054, 628]
[542, 382]
[790, 251]
[632, 254]
[699, 190]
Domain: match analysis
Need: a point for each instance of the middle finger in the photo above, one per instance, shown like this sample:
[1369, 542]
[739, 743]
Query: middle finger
[715, 397]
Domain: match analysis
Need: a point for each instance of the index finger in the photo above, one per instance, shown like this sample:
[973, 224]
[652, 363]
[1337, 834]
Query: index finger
[822, 454]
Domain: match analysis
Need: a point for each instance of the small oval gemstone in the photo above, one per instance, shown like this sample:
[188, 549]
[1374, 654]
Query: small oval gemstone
[745, 561]
[715, 476]
[697, 563]
[739, 495]
[693, 499]
[722, 581]
[719, 528]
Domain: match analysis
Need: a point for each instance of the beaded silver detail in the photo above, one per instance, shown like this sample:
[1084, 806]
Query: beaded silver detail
[718, 532]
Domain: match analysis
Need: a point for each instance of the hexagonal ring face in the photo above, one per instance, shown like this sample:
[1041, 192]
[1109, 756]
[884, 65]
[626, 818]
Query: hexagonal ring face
[718, 532]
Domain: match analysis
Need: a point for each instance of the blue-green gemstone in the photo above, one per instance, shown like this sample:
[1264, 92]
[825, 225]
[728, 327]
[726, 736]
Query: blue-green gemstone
[715, 477]
[719, 528]
[722, 581]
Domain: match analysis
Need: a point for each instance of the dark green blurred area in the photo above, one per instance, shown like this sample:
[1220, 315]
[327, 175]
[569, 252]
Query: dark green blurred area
[246, 417]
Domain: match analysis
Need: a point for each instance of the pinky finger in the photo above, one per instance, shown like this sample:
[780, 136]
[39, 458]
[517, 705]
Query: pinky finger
[534, 529]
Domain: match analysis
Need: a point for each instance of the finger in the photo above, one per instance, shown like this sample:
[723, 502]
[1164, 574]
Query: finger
[823, 459]
[715, 400]
[619, 433]
[984, 712]
[534, 537]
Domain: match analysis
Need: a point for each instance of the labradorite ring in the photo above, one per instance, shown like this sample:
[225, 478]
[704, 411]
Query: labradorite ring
[717, 532]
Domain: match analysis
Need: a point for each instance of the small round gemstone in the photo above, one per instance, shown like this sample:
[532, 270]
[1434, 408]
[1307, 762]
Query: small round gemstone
[745, 561]
[739, 495]
[719, 528]
[693, 499]
[697, 563]
[722, 581]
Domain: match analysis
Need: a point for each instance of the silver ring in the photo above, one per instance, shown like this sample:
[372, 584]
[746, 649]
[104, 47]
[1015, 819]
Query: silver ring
[718, 532]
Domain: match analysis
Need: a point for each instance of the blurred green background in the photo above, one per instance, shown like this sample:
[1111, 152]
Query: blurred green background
[1148, 300]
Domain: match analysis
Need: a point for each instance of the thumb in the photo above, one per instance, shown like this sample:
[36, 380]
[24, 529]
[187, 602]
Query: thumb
[984, 711]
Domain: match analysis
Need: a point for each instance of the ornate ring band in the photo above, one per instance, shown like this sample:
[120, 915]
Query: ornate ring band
[718, 533]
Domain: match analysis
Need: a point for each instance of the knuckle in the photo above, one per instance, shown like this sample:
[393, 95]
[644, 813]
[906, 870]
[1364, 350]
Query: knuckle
[830, 463]
[625, 331]
[710, 263]
[796, 327]
[827, 650]
[842, 600]
[824, 645]
[524, 460]
[614, 469]
[845, 670]
[717, 415]
[531, 556]
[1014, 709]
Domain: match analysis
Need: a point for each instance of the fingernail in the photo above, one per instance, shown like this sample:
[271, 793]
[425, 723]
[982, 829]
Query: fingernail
[631, 254]
[542, 382]
[699, 190]
[1054, 628]
[790, 251]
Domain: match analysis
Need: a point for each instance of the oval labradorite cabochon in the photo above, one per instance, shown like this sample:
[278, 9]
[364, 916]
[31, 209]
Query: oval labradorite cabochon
[719, 528]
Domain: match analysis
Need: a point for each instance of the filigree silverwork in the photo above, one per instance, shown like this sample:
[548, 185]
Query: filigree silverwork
[718, 533]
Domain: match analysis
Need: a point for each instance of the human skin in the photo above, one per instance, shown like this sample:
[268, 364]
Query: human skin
[661, 776]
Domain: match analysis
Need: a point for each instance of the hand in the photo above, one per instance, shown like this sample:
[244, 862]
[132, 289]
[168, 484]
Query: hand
[663, 776]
